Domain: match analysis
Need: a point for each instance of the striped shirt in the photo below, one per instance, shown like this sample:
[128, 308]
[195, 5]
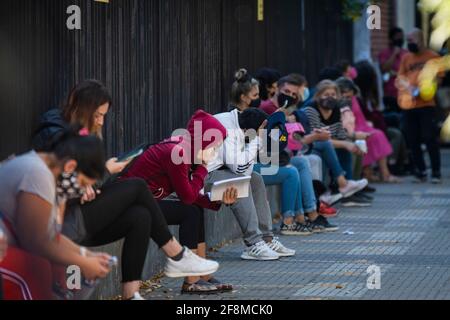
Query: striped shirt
[334, 123]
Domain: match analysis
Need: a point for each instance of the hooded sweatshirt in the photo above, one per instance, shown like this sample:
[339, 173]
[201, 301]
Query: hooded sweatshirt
[51, 124]
[161, 166]
[235, 154]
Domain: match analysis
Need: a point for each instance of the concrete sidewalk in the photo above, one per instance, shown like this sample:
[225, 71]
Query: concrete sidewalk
[406, 233]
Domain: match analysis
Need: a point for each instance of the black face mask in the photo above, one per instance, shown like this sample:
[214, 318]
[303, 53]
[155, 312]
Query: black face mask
[414, 48]
[328, 103]
[67, 187]
[399, 43]
[345, 102]
[282, 98]
[255, 103]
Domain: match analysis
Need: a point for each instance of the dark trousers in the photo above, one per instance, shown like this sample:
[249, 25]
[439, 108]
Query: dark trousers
[126, 209]
[1, 287]
[190, 218]
[421, 128]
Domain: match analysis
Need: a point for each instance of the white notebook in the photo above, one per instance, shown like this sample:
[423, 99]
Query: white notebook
[242, 184]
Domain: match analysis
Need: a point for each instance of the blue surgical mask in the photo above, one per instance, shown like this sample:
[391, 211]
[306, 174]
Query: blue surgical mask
[306, 94]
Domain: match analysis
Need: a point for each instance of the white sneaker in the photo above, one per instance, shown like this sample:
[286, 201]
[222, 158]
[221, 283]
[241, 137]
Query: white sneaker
[353, 187]
[191, 265]
[260, 251]
[137, 296]
[279, 248]
[330, 199]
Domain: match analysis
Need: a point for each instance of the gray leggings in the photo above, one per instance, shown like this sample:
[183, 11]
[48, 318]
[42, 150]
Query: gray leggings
[252, 213]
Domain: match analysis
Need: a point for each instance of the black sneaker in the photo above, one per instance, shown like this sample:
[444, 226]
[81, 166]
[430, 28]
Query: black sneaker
[355, 201]
[295, 229]
[288, 230]
[420, 177]
[369, 189]
[364, 196]
[304, 229]
[323, 222]
[314, 227]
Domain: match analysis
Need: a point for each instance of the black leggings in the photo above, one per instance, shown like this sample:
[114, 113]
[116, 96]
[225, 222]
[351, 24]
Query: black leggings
[190, 219]
[126, 209]
[421, 127]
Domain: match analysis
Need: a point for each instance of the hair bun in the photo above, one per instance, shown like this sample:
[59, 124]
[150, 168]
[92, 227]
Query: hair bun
[242, 75]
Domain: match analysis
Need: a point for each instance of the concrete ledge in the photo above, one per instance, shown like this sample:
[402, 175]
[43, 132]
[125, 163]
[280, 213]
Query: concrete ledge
[219, 227]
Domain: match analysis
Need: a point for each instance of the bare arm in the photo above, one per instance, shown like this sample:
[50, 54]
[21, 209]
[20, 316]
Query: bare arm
[33, 216]
[387, 66]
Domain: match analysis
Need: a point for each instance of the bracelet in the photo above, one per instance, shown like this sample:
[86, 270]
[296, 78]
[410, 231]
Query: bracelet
[83, 251]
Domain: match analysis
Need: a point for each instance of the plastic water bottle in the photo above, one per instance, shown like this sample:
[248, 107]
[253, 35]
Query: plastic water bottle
[88, 286]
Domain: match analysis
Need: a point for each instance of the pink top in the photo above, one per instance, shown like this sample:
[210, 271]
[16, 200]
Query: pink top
[378, 144]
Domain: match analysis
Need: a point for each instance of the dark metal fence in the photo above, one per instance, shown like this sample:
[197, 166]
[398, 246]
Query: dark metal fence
[162, 59]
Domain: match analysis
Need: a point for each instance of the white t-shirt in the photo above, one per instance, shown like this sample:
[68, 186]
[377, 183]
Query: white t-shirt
[26, 173]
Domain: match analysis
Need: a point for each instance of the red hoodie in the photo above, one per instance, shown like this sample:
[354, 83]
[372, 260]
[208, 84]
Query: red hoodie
[164, 177]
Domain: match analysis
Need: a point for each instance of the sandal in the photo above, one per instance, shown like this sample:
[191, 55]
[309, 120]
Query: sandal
[223, 287]
[200, 287]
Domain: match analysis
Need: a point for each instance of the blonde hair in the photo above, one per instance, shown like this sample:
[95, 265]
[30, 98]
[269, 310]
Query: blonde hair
[324, 86]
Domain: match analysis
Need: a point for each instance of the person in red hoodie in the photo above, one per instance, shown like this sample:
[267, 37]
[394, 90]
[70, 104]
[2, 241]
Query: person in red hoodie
[178, 165]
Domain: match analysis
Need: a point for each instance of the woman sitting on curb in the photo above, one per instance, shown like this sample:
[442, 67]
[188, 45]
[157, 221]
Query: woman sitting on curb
[178, 165]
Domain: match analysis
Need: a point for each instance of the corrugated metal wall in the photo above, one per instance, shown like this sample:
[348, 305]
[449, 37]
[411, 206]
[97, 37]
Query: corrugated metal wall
[162, 59]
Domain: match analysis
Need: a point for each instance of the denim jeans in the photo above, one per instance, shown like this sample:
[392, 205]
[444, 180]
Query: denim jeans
[297, 192]
[327, 152]
[346, 161]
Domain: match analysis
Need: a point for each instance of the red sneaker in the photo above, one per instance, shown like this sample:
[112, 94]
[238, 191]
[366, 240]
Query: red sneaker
[327, 211]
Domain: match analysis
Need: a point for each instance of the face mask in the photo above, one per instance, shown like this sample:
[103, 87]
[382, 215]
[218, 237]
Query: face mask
[67, 186]
[399, 43]
[345, 102]
[208, 155]
[353, 74]
[328, 103]
[306, 94]
[412, 47]
[255, 103]
[286, 101]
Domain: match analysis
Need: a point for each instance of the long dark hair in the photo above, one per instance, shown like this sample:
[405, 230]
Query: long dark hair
[367, 81]
[266, 78]
[87, 151]
[82, 103]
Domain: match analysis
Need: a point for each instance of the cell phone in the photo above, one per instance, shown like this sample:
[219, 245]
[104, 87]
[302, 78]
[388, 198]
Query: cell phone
[131, 154]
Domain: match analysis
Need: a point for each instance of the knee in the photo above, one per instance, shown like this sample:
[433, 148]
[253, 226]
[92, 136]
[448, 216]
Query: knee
[194, 213]
[257, 180]
[140, 218]
[302, 163]
[292, 174]
[137, 184]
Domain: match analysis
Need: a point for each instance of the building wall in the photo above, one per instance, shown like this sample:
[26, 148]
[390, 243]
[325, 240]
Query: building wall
[380, 38]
